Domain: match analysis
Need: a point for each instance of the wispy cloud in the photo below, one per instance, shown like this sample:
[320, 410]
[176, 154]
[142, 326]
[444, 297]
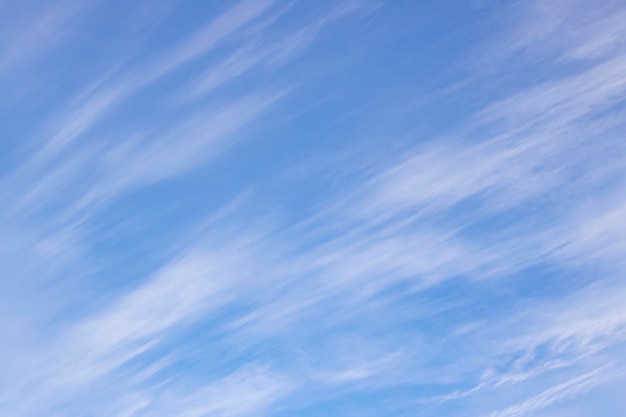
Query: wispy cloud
[553, 395]
[474, 268]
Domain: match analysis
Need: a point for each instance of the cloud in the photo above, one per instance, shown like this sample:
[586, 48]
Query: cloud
[481, 262]
[553, 395]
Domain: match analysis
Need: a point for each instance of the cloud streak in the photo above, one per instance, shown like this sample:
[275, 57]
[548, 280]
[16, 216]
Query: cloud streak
[177, 270]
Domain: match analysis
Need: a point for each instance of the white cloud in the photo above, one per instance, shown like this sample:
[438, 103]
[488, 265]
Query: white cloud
[553, 395]
[490, 200]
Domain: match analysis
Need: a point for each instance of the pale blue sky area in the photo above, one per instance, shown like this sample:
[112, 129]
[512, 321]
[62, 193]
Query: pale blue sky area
[312, 208]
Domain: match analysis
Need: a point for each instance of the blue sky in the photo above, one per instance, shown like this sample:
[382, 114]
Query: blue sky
[331, 208]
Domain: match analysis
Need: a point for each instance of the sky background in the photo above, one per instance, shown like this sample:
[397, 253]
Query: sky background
[312, 208]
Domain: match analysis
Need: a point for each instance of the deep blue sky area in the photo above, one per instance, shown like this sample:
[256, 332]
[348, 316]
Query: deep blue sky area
[296, 208]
